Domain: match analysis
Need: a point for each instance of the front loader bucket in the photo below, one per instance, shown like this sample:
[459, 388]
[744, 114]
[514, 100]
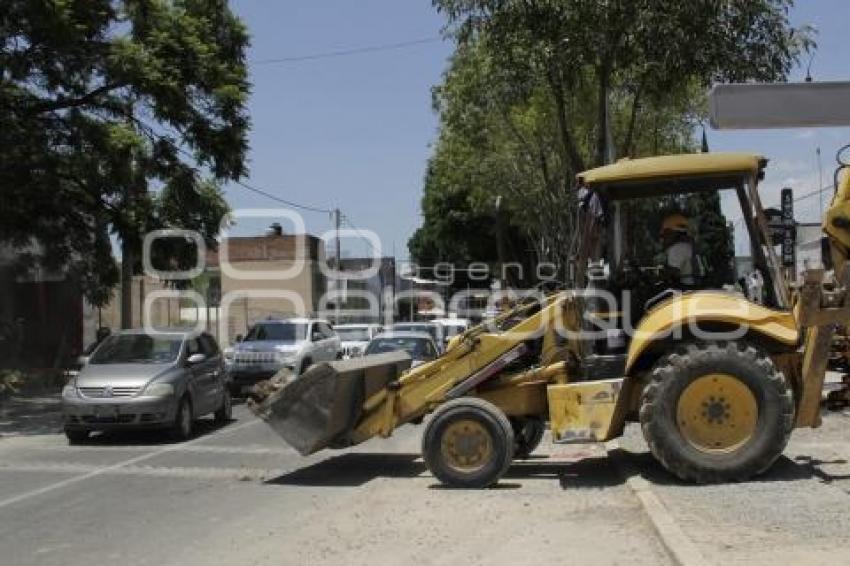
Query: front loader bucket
[322, 406]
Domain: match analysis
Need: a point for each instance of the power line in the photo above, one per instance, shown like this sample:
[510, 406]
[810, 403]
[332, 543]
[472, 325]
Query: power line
[805, 196]
[242, 184]
[814, 193]
[346, 52]
[282, 200]
[359, 233]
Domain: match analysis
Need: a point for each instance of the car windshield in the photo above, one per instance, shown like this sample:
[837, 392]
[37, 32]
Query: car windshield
[278, 332]
[353, 334]
[429, 328]
[453, 330]
[138, 349]
[417, 348]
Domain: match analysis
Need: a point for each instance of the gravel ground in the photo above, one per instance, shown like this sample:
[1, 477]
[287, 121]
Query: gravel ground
[797, 512]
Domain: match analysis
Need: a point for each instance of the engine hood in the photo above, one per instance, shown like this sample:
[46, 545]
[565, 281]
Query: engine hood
[268, 346]
[100, 375]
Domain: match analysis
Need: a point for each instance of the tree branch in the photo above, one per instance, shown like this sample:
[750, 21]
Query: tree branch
[571, 152]
[62, 103]
[628, 141]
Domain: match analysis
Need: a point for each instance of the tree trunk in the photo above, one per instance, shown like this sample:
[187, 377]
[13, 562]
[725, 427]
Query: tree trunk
[628, 141]
[603, 137]
[571, 153]
[127, 261]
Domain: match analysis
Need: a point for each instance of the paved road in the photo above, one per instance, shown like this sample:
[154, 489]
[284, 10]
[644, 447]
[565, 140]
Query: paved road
[238, 495]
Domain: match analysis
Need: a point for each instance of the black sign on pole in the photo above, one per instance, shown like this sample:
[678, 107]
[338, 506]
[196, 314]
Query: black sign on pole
[789, 232]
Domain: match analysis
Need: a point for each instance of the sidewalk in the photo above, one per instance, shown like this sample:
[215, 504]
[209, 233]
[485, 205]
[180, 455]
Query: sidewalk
[31, 414]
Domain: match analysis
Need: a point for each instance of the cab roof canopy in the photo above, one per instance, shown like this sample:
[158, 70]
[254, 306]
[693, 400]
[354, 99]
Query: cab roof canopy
[650, 176]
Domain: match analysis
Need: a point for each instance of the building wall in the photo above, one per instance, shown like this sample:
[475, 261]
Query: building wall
[246, 299]
[252, 299]
[808, 247]
[382, 280]
[164, 312]
[40, 314]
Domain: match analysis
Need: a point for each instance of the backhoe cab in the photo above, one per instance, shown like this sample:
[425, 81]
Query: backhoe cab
[716, 378]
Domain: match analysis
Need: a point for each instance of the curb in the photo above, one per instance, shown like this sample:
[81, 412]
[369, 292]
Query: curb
[679, 547]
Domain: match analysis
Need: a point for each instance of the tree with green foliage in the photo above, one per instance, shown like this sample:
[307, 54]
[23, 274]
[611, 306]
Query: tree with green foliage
[539, 90]
[117, 116]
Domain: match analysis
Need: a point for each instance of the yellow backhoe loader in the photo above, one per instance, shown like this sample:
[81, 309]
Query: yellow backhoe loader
[716, 380]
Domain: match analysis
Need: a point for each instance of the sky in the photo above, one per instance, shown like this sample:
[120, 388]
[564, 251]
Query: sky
[354, 132]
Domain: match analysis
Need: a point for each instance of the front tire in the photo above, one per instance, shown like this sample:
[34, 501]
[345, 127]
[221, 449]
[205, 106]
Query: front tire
[224, 414]
[305, 365]
[468, 443]
[716, 412]
[184, 424]
[76, 436]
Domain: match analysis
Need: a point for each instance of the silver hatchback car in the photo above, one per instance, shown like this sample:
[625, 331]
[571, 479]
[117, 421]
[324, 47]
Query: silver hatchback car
[139, 380]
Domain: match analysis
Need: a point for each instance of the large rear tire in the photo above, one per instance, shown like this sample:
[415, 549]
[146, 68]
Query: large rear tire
[468, 443]
[716, 412]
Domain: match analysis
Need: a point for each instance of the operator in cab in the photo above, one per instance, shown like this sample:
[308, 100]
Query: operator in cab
[678, 246]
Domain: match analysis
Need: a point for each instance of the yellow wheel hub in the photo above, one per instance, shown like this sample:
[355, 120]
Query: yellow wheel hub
[717, 413]
[466, 445]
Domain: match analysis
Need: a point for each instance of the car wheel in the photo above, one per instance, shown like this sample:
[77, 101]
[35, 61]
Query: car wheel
[224, 413]
[305, 365]
[76, 436]
[183, 422]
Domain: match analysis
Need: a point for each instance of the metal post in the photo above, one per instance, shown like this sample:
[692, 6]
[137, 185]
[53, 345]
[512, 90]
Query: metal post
[338, 264]
[820, 182]
[500, 243]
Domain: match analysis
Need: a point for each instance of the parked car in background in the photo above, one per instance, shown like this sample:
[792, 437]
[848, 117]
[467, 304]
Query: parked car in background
[419, 345]
[432, 328]
[271, 345]
[453, 327]
[355, 337]
[134, 379]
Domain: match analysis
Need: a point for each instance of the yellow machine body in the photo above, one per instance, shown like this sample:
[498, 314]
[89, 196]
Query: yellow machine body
[495, 365]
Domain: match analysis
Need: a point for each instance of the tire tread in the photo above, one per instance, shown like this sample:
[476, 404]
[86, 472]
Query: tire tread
[665, 371]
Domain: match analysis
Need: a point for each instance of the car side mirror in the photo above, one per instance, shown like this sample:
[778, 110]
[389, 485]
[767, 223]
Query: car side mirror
[316, 337]
[239, 337]
[195, 359]
[82, 360]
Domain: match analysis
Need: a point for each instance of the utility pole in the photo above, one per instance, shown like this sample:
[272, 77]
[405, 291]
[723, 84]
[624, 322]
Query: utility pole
[500, 243]
[820, 181]
[135, 187]
[338, 264]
